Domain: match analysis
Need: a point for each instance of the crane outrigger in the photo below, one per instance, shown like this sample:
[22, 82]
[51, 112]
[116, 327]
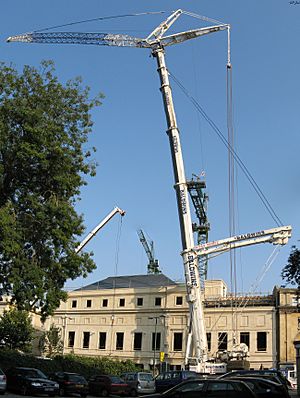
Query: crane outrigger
[156, 41]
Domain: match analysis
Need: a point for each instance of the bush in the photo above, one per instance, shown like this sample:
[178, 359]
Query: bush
[87, 366]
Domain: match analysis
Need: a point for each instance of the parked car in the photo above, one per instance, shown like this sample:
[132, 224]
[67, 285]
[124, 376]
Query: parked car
[70, 383]
[263, 387]
[140, 382]
[166, 380]
[104, 385]
[2, 382]
[207, 388]
[30, 381]
[271, 374]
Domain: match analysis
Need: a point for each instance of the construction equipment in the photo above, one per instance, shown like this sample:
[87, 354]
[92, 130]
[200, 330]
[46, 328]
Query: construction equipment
[199, 198]
[98, 227]
[157, 42]
[153, 265]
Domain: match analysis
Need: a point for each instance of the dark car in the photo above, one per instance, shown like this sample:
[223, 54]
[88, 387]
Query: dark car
[2, 382]
[30, 381]
[270, 374]
[70, 383]
[166, 380]
[263, 387]
[140, 382]
[104, 385]
[212, 388]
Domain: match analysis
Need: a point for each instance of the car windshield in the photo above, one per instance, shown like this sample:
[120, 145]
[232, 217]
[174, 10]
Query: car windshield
[116, 380]
[145, 377]
[76, 378]
[36, 373]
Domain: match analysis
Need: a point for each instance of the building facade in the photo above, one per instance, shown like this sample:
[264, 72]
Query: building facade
[145, 318]
[288, 325]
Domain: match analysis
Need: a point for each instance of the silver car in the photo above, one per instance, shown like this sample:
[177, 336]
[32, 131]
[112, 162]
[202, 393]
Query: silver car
[140, 382]
[2, 382]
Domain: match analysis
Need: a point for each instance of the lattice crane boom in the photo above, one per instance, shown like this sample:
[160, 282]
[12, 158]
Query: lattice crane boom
[109, 39]
[153, 265]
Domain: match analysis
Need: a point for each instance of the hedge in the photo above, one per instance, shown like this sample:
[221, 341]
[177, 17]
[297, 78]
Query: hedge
[87, 366]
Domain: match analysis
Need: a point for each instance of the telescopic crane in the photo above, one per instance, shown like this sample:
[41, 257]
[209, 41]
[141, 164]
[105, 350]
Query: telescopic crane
[98, 227]
[156, 41]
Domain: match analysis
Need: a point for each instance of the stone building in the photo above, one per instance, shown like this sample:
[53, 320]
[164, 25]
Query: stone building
[145, 318]
[288, 325]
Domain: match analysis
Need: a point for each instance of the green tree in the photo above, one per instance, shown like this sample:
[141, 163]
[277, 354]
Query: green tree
[44, 127]
[16, 330]
[50, 343]
[291, 272]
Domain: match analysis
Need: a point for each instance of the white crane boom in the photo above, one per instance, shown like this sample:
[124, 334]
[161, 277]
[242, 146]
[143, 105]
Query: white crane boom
[277, 236]
[98, 227]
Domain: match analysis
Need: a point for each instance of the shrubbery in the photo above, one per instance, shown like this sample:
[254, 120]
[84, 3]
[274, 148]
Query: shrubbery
[87, 366]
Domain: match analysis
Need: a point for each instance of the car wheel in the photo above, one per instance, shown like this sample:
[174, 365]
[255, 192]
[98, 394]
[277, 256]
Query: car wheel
[61, 392]
[104, 393]
[133, 392]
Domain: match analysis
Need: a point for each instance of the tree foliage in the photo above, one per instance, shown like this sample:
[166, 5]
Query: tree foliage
[44, 126]
[50, 342]
[16, 330]
[291, 272]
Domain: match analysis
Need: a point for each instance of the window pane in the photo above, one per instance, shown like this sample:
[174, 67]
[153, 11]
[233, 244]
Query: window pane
[222, 341]
[157, 335]
[177, 341]
[245, 338]
[71, 339]
[120, 341]
[261, 341]
[102, 340]
[137, 344]
[86, 340]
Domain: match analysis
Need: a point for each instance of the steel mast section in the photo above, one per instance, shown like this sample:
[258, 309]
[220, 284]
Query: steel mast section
[156, 42]
[98, 227]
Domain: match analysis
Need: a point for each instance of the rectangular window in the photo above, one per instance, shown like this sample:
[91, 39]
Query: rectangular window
[261, 341]
[245, 338]
[122, 302]
[155, 336]
[104, 302]
[208, 337]
[86, 340]
[137, 343]
[222, 341]
[177, 342]
[179, 300]
[158, 301]
[71, 339]
[88, 303]
[102, 340]
[74, 303]
[119, 341]
[139, 301]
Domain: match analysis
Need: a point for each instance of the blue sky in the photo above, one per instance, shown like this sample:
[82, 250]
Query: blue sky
[135, 171]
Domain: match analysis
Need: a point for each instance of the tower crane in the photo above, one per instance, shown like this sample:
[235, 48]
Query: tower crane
[157, 41]
[98, 227]
[153, 265]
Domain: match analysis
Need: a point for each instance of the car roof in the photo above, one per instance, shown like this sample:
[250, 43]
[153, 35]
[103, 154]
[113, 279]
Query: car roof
[268, 381]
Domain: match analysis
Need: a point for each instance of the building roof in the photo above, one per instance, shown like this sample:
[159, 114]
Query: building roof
[132, 281]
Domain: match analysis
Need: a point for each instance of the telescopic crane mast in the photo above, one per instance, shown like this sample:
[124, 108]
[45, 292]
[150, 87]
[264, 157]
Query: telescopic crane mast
[157, 42]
